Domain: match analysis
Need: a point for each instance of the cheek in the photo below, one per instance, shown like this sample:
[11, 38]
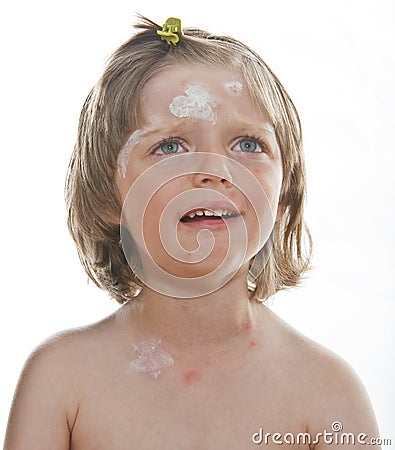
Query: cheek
[156, 205]
[143, 206]
[263, 206]
[257, 172]
[162, 211]
[271, 181]
[124, 184]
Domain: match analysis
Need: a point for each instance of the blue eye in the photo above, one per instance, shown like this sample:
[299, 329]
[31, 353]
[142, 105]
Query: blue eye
[249, 145]
[168, 148]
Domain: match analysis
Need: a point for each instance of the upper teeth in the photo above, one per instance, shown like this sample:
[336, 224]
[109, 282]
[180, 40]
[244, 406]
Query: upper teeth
[208, 212]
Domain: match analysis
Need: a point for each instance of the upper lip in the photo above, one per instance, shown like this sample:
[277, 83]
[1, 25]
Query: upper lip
[214, 206]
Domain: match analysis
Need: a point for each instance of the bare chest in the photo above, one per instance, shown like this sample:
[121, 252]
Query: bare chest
[187, 410]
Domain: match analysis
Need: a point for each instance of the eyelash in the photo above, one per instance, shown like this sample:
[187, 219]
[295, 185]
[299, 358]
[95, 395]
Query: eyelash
[181, 142]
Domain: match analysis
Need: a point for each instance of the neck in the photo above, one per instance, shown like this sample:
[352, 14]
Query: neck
[211, 321]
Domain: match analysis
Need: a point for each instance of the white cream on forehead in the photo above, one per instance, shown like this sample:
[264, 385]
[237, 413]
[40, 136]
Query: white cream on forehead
[197, 103]
[233, 87]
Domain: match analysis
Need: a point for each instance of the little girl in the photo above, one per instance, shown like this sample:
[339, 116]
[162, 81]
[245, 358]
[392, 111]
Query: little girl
[185, 198]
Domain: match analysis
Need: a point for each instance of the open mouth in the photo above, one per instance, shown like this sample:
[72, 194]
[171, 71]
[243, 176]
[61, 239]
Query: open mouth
[200, 215]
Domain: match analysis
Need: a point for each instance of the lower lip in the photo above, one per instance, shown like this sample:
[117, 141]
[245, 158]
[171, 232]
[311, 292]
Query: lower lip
[210, 223]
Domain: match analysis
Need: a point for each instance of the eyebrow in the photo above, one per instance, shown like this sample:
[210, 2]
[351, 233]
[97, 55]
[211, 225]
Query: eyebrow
[241, 124]
[180, 127]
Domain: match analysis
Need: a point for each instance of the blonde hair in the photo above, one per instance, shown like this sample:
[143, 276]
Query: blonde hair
[111, 113]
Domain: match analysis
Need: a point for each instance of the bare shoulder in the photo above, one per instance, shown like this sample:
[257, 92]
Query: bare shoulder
[63, 351]
[48, 390]
[65, 356]
[329, 389]
[315, 362]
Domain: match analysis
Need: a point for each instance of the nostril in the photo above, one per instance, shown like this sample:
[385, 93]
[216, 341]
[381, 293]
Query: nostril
[209, 180]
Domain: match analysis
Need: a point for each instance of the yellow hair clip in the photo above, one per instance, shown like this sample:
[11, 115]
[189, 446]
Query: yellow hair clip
[171, 30]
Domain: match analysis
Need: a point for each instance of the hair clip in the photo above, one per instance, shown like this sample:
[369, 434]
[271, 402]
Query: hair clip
[171, 30]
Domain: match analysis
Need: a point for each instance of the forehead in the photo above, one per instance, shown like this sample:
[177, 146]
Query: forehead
[220, 89]
[174, 75]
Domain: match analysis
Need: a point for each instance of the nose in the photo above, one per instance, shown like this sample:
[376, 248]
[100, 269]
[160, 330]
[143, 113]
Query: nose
[212, 169]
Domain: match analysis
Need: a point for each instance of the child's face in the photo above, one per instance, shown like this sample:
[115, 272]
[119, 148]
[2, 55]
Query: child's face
[204, 158]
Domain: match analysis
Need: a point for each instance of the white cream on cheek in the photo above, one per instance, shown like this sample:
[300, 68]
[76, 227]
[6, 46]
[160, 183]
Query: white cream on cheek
[233, 87]
[124, 154]
[151, 358]
[197, 103]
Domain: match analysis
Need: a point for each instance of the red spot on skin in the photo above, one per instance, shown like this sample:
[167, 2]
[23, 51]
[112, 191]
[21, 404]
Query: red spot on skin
[246, 324]
[252, 344]
[184, 307]
[191, 377]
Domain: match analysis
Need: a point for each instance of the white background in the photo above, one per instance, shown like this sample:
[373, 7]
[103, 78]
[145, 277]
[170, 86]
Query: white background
[335, 58]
